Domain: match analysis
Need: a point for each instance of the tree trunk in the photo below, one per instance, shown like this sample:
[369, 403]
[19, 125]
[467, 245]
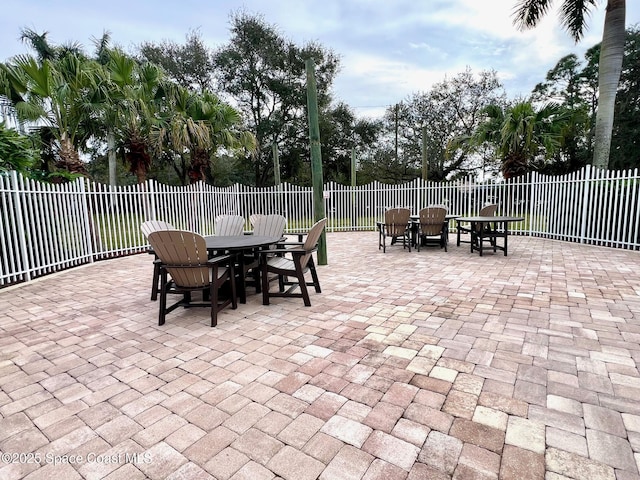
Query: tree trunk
[69, 158]
[199, 161]
[111, 152]
[611, 55]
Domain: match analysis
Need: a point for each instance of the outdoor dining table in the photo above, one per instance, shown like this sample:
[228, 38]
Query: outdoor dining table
[240, 244]
[493, 232]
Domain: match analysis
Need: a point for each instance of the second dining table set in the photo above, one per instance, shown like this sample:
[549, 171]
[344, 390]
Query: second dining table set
[431, 226]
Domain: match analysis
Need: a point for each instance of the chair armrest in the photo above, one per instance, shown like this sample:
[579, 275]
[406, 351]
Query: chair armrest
[285, 244]
[288, 250]
[220, 259]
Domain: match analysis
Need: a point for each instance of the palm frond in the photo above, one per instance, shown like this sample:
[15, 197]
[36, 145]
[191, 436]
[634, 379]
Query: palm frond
[528, 13]
[574, 14]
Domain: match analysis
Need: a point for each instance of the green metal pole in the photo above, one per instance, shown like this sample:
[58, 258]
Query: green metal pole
[425, 164]
[276, 177]
[276, 163]
[316, 156]
[353, 189]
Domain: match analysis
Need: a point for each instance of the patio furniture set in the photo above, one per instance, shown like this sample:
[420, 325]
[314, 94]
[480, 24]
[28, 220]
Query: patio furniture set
[221, 266]
[431, 226]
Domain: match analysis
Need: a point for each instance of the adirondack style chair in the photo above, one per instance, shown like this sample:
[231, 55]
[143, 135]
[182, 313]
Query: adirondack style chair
[185, 268]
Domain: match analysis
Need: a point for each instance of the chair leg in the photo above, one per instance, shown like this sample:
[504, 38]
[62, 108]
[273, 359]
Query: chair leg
[265, 283]
[303, 286]
[234, 293]
[314, 275]
[163, 297]
[156, 281]
[213, 293]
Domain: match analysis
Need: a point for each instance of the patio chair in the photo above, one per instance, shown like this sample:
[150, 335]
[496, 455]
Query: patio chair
[184, 257]
[290, 270]
[268, 225]
[488, 210]
[146, 228]
[253, 218]
[395, 225]
[431, 226]
[226, 225]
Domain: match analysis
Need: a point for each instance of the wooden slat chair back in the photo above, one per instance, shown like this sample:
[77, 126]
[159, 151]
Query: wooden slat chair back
[229, 225]
[253, 218]
[431, 225]
[185, 259]
[153, 226]
[147, 228]
[295, 266]
[488, 210]
[268, 225]
[396, 225]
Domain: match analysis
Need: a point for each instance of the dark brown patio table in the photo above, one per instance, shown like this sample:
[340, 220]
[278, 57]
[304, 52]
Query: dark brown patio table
[493, 232]
[240, 244]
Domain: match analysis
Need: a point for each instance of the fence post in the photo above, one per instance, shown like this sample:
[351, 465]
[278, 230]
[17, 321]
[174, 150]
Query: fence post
[22, 237]
[532, 199]
[88, 221]
[585, 202]
[153, 215]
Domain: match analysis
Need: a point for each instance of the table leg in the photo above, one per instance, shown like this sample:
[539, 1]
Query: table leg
[242, 284]
[506, 235]
[473, 233]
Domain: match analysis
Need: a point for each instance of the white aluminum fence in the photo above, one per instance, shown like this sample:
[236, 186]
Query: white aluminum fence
[46, 228]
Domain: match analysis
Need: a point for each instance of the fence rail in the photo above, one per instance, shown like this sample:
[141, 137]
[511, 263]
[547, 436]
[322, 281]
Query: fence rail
[46, 228]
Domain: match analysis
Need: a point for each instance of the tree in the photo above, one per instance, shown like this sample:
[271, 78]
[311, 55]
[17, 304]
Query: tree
[569, 85]
[199, 125]
[573, 16]
[340, 133]
[265, 75]
[16, 151]
[143, 102]
[55, 95]
[189, 65]
[452, 109]
[524, 136]
[626, 134]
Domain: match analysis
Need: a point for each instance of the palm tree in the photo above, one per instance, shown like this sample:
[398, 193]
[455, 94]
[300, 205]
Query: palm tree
[133, 96]
[573, 16]
[55, 95]
[198, 126]
[521, 134]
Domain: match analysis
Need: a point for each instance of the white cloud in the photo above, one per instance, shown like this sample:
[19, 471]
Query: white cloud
[388, 49]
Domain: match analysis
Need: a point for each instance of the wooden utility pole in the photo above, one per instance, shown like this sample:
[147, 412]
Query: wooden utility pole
[276, 163]
[276, 177]
[425, 162]
[316, 156]
[354, 218]
[396, 128]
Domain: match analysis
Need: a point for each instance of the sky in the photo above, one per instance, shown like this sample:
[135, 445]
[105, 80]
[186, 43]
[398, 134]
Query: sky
[389, 49]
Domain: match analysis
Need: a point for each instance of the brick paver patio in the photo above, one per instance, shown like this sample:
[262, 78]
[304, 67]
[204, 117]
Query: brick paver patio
[426, 365]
